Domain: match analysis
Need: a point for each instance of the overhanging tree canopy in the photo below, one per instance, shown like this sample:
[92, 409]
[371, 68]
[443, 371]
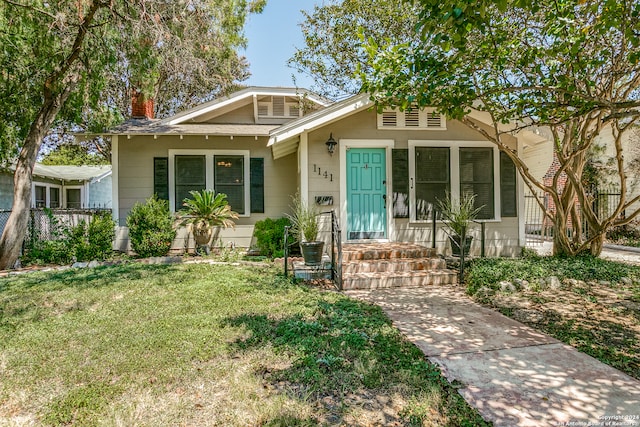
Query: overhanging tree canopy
[74, 59]
[569, 65]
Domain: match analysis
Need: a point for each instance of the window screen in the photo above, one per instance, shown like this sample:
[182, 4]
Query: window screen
[229, 179]
[432, 167]
[190, 174]
[74, 200]
[41, 196]
[476, 177]
[54, 198]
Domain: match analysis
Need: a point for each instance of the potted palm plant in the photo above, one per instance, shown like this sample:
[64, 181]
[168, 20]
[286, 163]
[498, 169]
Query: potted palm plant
[458, 215]
[305, 227]
[206, 212]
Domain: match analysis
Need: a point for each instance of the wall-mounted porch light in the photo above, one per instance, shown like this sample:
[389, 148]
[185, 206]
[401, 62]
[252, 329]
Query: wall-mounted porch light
[331, 144]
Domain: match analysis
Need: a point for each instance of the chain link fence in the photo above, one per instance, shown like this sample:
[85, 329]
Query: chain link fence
[43, 222]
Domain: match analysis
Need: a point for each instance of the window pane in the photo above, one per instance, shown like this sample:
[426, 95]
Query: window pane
[432, 171]
[73, 198]
[41, 196]
[229, 179]
[190, 175]
[476, 177]
[54, 198]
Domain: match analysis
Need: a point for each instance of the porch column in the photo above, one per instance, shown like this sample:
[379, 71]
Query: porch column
[303, 161]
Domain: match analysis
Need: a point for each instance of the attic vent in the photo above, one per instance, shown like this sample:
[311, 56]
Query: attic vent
[278, 106]
[294, 111]
[412, 118]
[263, 109]
[434, 120]
[389, 119]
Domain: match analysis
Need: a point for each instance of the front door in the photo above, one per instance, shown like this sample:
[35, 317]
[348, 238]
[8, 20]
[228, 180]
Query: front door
[366, 193]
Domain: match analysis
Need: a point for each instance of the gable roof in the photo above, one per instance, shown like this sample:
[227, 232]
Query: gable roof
[284, 140]
[241, 97]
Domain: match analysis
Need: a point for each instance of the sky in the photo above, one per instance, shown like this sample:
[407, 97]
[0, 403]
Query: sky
[272, 38]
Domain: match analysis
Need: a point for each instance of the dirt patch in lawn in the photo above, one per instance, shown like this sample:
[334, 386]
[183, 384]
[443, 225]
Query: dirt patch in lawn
[597, 318]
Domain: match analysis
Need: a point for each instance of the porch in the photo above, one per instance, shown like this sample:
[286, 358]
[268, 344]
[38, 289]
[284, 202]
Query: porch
[380, 265]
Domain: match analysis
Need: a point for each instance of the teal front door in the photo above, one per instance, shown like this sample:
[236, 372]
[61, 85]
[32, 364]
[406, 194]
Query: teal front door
[366, 193]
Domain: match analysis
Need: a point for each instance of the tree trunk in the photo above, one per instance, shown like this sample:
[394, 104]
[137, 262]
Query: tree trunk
[16, 227]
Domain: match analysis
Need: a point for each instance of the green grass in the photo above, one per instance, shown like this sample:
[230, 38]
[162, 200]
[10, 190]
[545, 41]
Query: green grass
[205, 345]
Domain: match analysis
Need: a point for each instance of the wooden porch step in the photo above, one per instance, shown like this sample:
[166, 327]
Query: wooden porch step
[393, 265]
[399, 279]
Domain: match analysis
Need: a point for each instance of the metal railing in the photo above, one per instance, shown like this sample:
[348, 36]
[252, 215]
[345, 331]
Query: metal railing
[336, 249]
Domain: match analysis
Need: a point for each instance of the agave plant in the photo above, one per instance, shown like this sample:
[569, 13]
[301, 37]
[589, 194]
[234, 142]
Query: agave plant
[205, 212]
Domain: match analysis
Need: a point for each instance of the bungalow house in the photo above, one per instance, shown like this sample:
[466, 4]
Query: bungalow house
[262, 145]
[68, 187]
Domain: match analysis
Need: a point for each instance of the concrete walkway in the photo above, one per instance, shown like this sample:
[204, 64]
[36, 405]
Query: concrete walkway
[513, 374]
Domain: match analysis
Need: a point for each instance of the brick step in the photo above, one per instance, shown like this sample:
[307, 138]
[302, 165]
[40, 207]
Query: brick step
[393, 265]
[364, 253]
[399, 279]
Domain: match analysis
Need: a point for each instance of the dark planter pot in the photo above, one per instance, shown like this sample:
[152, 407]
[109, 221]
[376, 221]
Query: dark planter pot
[455, 245]
[312, 252]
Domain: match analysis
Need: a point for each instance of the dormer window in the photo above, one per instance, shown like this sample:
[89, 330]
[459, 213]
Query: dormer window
[411, 119]
[279, 107]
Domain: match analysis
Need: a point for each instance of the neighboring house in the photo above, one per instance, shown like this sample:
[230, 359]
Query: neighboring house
[260, 146]
[69, 187]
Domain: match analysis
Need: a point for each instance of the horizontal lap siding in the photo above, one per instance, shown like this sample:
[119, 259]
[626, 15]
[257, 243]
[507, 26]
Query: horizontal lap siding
[502, 237]
[136, 177]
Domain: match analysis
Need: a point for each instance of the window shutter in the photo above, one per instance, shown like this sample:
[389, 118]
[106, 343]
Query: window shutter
[400, 175]
[257, 185]
[508, 187]
[161, 177]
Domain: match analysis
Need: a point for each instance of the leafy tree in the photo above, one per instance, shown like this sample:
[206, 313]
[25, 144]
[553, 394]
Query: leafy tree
[333, 49]
[74, 155]
[571, 66]
[72, 60]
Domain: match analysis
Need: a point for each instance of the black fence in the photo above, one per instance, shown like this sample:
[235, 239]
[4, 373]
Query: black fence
[42, 222]
[539, 228]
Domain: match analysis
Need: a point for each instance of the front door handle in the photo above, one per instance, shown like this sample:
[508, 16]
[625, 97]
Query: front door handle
[384, 197]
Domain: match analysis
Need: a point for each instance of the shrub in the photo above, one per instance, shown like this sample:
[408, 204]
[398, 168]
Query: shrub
[269, 235]
[93, 241]
[83, 242]
[151, 229]
[490, 271]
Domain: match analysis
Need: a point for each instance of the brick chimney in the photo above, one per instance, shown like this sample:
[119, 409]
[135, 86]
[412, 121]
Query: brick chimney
[141, 108]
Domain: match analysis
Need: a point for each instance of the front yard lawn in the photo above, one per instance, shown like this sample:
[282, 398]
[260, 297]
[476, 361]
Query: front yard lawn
[201, 344]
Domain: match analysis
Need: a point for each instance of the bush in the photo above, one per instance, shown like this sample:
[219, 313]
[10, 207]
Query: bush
[151, 229]
[84, 242]
[490, 271]
[269, 235]
[93, 241]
